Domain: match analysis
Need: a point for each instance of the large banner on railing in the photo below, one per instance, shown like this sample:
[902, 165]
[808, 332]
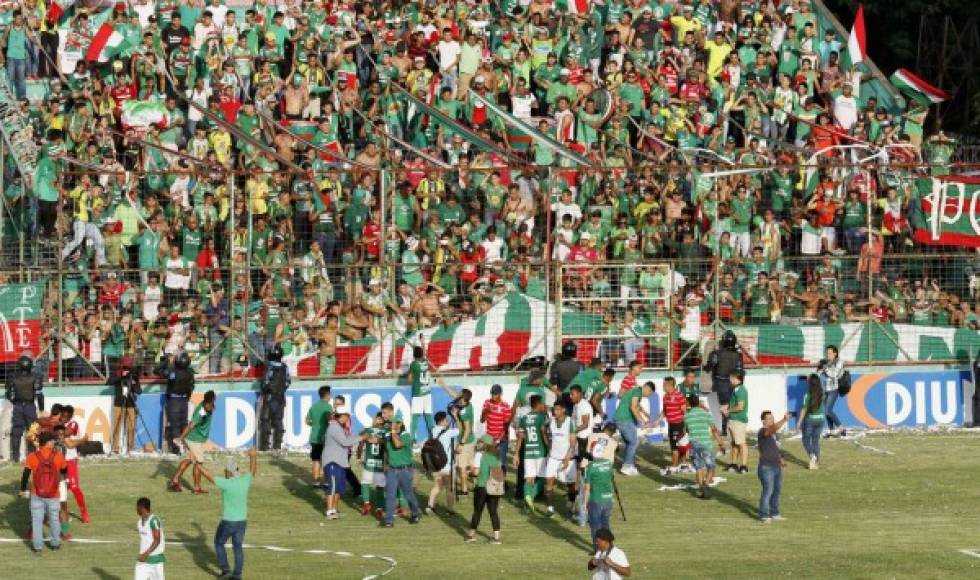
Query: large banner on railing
[948, 213]
[864, 342]
[903, 399]
[20, 319]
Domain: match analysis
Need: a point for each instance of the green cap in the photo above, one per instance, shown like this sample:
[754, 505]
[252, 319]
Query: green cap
[486, 440]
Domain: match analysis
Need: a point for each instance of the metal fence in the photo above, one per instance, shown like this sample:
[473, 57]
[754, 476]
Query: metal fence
[365, 319]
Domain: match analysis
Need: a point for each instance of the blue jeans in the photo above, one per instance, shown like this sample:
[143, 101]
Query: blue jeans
[235, 531]
[598, 517]
[40, 507]
[399, 479]
[503, 447]
[628, 430]
[17, 75]
[830, 399]
[771, 477]
[811, 436]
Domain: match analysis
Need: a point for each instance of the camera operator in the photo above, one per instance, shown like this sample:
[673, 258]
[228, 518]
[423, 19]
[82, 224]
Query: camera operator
[722, 362]
[126, 387]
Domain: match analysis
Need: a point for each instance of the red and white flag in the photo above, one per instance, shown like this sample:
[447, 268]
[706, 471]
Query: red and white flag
[856, 45]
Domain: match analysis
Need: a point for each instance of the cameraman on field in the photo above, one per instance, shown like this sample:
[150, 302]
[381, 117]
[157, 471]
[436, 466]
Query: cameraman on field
[125, 381]
[722, 362]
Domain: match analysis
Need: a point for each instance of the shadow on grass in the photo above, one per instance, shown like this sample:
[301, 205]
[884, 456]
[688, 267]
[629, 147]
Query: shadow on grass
[199, 548]
[790, 458]
[296, 481]
[164, 468]
[16, 514]
[102, 574]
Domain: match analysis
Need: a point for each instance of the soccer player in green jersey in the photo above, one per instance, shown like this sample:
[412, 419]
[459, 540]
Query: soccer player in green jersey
[149, 562]
[419, 374]
[532, 439]
[372, 459]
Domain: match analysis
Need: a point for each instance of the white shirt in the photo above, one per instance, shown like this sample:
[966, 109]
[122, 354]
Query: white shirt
[201, 33]
[152, 297]
[199, 98]
[691, 331]
[845, 111]
[559, 437]
[448, 54]
[602, 572]
[146, 534]
[521, 105]
[562, 209]
[144, 11]
[217, 13]
[581, 409]
[174, 279]
[810, 243]
[494, 249]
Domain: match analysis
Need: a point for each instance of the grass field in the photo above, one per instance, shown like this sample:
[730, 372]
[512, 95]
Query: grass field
[862, 515]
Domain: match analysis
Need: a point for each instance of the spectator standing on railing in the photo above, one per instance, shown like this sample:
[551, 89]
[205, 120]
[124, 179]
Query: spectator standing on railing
[831, 369]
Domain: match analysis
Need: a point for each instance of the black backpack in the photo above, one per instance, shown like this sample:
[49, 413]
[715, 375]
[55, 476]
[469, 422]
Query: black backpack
[434, 455]
[277, 382]
[844, 383]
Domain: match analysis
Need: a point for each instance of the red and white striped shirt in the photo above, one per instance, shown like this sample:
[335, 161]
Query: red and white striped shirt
[497, 415]
[674, 404]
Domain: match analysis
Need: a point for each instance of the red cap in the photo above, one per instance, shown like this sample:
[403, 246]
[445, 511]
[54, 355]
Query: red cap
[185, 40]
[120, 7]
[390, 35]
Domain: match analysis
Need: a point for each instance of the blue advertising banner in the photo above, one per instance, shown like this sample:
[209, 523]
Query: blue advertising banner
[902, 399]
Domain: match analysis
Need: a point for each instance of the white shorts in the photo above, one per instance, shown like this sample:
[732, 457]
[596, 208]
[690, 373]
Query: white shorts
[553, 470]
[372, 478]
[146, 571]
[422, 405]
[534, 468]
[63, 491]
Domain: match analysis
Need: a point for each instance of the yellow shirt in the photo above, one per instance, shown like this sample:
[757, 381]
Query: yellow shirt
[682, 26]
[716, 56]
[258, 191]
[221, 145]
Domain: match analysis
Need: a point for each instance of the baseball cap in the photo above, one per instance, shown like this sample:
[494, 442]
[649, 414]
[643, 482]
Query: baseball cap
[231, 466]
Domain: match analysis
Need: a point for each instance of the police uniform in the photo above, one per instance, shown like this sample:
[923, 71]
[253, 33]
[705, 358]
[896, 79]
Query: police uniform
[23, 390]
[180, 385]
[273, 407]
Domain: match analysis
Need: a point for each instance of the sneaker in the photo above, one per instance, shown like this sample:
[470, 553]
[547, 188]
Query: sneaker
[843, 432]
[813, 462]
[386, 525]
[550, 512]
[732, 468]
[379, 513]
[25, 494]
[174, 486]
[778, 518]
[430, 511]
[765, 520]
[629, 470]
[365, 509]
[333, 515]
[469, 539]
[816, 463]
[57, 547]
[743, 469]
[495, 542]
[414, 520]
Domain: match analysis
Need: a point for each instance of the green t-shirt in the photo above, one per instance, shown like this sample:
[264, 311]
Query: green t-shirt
[373, 458]
[623, 413]
[202, 425]
[234, 497]
[318, 415]
[466, 417]
[400, 457]
[419, 373]
[599, 477]
[817, 415]
[532, 425]
[697, 423]
[584, 379]
[739, 395]
[526, 391]
[487, 462]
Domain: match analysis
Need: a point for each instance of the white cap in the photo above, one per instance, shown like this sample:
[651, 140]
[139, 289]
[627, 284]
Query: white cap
[585, 236]
[341, 410]
[374, 282]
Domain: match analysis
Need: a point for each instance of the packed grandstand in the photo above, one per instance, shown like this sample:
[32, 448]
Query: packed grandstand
[484, 179]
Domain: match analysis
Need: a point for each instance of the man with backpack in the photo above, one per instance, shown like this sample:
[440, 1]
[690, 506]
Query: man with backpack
[47, 466]
[275, 383]
[437, 457]
[23, 390]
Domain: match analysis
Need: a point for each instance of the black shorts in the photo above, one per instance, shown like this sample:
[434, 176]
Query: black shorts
[674, 433]
[583, 448]
[316, 451]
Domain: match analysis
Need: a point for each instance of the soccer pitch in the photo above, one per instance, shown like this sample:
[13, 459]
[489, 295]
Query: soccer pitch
[909, 513]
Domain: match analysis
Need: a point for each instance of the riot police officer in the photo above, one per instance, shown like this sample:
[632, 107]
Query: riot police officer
[564, 370]
[180, 385]
[721, 363]
[275, 382]
[24, 390]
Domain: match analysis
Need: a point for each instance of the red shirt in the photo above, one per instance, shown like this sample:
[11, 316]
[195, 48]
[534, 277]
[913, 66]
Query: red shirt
[497, 414]
[370, 234]
[629, 382]
[674, 405]
[110, 294]
[229, 107]
[470, 261]
[122, 93]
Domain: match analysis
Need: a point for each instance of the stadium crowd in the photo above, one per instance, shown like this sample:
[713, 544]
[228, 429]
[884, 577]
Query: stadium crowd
[242, 204]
